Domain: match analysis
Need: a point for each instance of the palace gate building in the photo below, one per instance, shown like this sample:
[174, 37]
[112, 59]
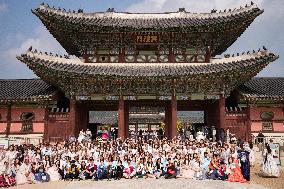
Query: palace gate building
[145, 68]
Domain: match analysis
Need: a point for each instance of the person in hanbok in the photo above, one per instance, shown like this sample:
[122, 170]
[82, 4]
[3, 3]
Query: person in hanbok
[53, 173]
[251, 154]
[234, 171]
[243, 157]
[6, 178]
[186, 172]
[196, 166]
[21, 172]
[128, 171]
[270, 167]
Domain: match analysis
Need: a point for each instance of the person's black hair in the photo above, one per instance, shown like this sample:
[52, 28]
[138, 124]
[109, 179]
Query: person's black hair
[268, 152]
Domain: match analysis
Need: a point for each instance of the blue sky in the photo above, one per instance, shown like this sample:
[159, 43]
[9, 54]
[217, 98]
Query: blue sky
[20, 29]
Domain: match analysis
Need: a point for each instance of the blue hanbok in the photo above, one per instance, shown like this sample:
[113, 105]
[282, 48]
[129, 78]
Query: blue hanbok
[243, 157]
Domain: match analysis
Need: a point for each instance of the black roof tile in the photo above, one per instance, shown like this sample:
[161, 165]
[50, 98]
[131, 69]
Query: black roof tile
[263, 87]
[25, 89]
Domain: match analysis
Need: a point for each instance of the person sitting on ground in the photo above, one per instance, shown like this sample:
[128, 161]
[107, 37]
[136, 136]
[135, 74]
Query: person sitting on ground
[234, 171]
[214, 166]
[171, 171]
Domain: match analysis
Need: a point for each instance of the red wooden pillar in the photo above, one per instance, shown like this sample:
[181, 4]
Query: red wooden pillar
[46, 116]
[9, 119]
[248, 123]
[71, 129]
[173, 120]
[86, 57]
[126, 119]
[121, 118]
[208, 54]
[222, 112]
[167, 120]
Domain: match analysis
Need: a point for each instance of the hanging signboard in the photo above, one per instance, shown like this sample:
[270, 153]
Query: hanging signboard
[147, 38]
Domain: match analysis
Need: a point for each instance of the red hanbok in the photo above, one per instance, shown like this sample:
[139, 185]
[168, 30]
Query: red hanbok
[236, 173]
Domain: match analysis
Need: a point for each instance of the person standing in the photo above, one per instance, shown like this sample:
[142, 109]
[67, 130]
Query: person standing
[269, 167]
[243, 157]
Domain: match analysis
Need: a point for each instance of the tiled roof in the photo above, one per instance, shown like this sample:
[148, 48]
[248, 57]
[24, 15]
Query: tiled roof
[146, 20]
[25, 89]
[146, 69]
[263, 88]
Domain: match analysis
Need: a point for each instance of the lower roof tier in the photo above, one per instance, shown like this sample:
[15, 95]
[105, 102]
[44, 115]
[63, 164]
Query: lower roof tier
[74, 77]
[30, 90]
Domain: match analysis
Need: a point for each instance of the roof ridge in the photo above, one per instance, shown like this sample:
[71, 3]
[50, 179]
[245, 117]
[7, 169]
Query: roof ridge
[111, 11]
[31, 79]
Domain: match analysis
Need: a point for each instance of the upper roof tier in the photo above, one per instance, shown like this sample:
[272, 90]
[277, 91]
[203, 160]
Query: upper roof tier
[69, 27]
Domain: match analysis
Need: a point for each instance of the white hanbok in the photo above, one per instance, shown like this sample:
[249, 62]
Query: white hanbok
[53, 173]
[21, 177]
[270, 167]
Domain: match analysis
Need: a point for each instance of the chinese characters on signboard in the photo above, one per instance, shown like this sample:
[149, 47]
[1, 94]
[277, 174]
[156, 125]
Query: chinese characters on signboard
[145, 38]
[267, 126]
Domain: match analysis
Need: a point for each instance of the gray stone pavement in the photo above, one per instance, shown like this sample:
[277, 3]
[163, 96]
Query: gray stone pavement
[143, 184]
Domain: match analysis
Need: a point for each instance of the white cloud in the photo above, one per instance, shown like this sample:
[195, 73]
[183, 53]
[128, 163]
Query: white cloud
[42, 41]
[3, 7]
[189, 5]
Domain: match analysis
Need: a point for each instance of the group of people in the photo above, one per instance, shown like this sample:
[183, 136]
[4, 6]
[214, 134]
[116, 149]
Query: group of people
[126, 158]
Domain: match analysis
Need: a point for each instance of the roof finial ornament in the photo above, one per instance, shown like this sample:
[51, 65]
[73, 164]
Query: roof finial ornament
[253, 51]
[110, 10]
[225, 10]
[238, 54]
[243, 53]
[248, 52]
[42, 3]
[30, 49]
[252, 3]
[181, 10]
[264, 48]
[213, 11]
[80, 10]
